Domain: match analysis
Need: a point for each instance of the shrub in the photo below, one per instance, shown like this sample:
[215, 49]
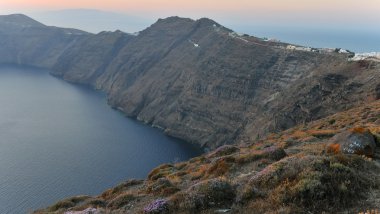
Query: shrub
[180, 166]
[249, 193]
[162, 187]
[223, 150]
[161, 171]
[325, 184]
[359, 130]
[96, 202]
[121, 200]
[219, 168]
[120, 188]
[322, 134]
[271, 152]
[200, 172]
[157, 206]
[206, 194]
[333, 148]
[62, 205]
[332, 121]
[247, 157]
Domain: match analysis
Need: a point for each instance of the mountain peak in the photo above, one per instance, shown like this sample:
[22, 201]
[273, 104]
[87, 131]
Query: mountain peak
[173, 23]
[20, 20]
[173, 20]
[177, 19]
[179, 23]
[206, 21]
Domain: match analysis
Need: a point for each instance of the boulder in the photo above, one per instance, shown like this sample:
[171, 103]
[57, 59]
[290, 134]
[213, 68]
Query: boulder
[358, 141]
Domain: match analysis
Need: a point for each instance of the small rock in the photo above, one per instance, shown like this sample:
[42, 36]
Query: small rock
[354, 141]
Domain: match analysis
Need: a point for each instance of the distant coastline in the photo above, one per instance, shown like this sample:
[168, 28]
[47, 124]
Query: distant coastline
[353, 40]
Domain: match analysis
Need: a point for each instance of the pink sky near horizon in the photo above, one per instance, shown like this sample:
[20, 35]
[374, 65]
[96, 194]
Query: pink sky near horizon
[298, 10]
[208, 5]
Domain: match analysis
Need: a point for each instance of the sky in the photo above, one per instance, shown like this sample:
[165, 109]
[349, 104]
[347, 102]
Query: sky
[227, 5]
[325, 10]
[271, 17]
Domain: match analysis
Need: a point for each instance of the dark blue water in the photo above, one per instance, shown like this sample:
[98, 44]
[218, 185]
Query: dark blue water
[59, 140]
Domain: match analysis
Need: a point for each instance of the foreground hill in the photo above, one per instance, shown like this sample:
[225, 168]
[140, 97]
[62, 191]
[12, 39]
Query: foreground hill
[197, 80]
[299, 170]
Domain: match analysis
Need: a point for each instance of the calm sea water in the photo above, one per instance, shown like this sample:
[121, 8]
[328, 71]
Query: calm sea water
[59, 140]
[361, 40]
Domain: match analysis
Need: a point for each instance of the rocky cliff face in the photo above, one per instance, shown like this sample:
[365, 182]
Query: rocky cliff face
[85, 61]
[197, 80]
[25, 41]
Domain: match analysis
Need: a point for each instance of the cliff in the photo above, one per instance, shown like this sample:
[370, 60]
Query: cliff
[25, 41]
[198, 80]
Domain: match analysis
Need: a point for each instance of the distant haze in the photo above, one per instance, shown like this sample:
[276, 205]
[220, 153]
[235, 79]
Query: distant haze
[350, 24]
[92, 21]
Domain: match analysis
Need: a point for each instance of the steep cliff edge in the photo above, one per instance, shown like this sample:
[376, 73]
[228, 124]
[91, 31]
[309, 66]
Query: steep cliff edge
[197, 80]
[204, 83]
[25, 41]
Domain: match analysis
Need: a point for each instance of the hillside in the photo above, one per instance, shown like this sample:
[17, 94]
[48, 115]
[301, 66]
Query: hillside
[25, 41]
[197, 80]
[187, 77]
[18, 21]
[299, 170]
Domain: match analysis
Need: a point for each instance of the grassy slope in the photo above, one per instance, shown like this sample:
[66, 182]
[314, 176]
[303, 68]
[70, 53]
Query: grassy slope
[288, 172]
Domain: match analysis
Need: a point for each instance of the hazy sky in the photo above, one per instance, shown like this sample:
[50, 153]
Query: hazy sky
[197, 4]
[318, 10]
[286, 19]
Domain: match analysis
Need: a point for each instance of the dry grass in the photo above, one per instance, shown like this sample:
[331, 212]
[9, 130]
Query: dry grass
[219, 168]
[322, 133]
[200, 172]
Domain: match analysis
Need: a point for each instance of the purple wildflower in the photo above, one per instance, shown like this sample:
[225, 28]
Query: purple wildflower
[157, 206]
